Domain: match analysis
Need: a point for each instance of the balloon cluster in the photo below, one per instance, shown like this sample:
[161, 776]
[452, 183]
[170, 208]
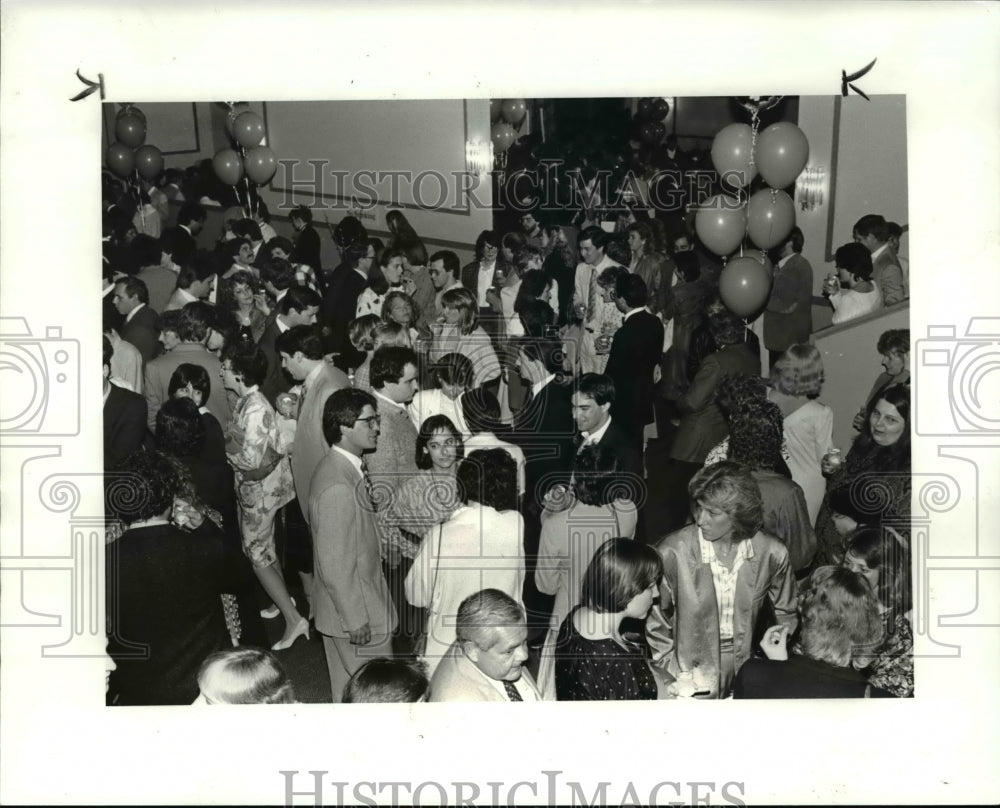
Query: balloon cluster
[130, 154]
[778, 155]
[246, 159]
[506, 116]
[649, 116]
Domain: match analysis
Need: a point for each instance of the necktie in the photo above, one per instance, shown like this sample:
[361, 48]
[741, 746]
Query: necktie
[369, 487]
[512, 693]
[302, 399]
[593, 297]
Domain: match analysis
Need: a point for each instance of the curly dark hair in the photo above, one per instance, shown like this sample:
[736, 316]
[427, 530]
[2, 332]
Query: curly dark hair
[489, 477]
[179, 428]
[755, 434]
[595, 471]
[143, 485]
[889, 458]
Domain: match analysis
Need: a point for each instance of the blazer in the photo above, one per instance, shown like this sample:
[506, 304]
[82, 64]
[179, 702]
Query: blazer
[310, 446]
[618, 441]
[351, 589]
[162, 595]
[124, 424]
[159, 371]
[683, 627]
[458, 679]
[307, 249]
[703, 425]
[888, 276]
[161, 282]
[799, 677]
[786, 516]
[544, 430]
[635, 351]
[340, 301]
[788, 315]
[142, 332]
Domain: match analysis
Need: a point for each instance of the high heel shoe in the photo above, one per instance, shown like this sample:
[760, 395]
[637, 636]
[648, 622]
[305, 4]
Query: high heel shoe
[272, 611]
[302, 627]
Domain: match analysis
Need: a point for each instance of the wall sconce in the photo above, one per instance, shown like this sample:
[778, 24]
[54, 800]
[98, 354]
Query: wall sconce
[810, 187]
[478, 156]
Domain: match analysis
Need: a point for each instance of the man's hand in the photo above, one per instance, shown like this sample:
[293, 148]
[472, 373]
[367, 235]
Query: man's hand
[361, 636]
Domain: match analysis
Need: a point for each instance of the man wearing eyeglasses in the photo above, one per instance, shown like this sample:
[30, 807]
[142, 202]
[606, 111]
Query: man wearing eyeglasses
[353, 608]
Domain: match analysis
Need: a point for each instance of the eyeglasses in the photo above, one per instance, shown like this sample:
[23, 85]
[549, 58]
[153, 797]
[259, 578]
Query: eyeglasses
[370, 420]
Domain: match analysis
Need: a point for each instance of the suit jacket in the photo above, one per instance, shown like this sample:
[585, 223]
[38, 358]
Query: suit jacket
[458, 679]
[310, 446]
[623, 447]
[141, 331]
[703, 424]
[176, 301]
[351, 590]
[185, 235]
[307, 249]
[163, 593]
[276, 381]
[887, 273]
[799, 677]
[683, 627]
[340, 300]
[544, 429]
[788, 316]
[161, 282]
[786, 516]
[124, 424]
[635, 352]
[159, 371]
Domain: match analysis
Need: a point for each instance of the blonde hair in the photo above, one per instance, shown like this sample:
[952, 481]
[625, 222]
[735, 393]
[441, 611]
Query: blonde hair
[799, 371]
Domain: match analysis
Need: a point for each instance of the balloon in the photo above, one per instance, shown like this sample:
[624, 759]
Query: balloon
[721, 224]
[744, 286]
[496, 109]
[661, 108]
[782, 152]
[148, 162]
[234, 112]
[120, 160]
[228, 166]
[770, 218]
[248, 129]
[732, 150]
[660, 131]
[648, 132]
[130, 130]
[129, 109]
[644, 111]
[260, 164]
[503, 136]
[514, 110]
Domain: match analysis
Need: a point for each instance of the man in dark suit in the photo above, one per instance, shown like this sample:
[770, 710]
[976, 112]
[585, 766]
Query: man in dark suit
[544, 431]
[340, 301]
[480, 276]
[635, 353]
[190, 221]
[131, 298]
[873, 232]
[591, 406]
[299, 305]
[124, 416]
[788, 316]
[307, 244]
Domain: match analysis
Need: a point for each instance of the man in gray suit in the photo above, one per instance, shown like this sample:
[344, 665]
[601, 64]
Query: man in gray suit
[485, 663]
[353, 609]
[873, 232]
[788, 316]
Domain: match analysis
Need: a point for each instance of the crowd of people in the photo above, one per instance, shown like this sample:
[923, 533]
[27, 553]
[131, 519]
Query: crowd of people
[450, 466]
